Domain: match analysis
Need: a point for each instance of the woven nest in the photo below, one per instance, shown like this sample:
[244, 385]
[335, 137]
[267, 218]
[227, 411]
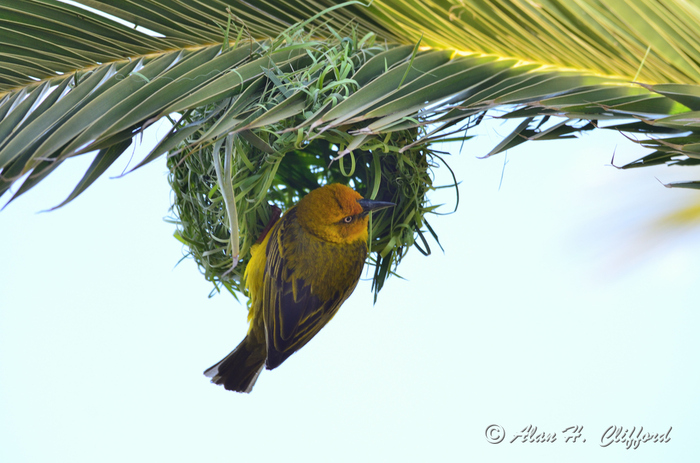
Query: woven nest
[237, 179]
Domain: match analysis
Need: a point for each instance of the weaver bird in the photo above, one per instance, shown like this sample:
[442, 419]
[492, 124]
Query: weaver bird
[297, 278]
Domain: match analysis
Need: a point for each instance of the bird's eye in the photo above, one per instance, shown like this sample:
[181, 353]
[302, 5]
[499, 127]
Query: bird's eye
[347, 219]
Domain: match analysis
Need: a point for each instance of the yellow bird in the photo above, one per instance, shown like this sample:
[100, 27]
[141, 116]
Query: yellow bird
[297, 278]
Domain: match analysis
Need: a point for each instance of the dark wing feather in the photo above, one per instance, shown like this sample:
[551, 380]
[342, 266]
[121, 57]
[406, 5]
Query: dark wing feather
[298, 298]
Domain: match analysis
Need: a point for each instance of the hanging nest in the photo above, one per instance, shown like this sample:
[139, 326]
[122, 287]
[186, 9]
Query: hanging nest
[263, 147]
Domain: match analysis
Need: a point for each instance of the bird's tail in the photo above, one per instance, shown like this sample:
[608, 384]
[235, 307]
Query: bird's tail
[239, 370]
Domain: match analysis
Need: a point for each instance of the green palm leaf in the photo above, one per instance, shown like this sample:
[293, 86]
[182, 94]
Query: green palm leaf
[147, 79]
[266, 79]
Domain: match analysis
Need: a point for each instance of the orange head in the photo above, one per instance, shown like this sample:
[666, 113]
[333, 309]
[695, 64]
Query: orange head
[337, 213]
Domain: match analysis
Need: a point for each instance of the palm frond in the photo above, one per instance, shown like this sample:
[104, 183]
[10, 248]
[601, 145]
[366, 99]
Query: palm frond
[269, 80]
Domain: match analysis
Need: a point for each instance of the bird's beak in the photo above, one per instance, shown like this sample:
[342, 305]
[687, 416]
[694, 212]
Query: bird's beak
[369, 205]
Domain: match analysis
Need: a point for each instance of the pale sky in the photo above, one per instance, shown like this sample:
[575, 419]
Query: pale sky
[557, 303]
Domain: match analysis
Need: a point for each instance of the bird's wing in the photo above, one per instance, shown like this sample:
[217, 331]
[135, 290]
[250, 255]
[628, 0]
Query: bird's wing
[302, 292]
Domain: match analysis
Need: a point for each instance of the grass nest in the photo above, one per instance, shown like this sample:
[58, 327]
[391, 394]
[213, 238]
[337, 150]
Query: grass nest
[229, 172]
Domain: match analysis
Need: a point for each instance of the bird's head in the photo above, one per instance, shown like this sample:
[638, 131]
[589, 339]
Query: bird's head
[337, 213]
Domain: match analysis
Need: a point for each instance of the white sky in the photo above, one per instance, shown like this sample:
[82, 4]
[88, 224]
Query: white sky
[555, 304]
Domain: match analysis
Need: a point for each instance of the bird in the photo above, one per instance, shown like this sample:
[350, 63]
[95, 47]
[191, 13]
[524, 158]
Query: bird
[297, 278]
